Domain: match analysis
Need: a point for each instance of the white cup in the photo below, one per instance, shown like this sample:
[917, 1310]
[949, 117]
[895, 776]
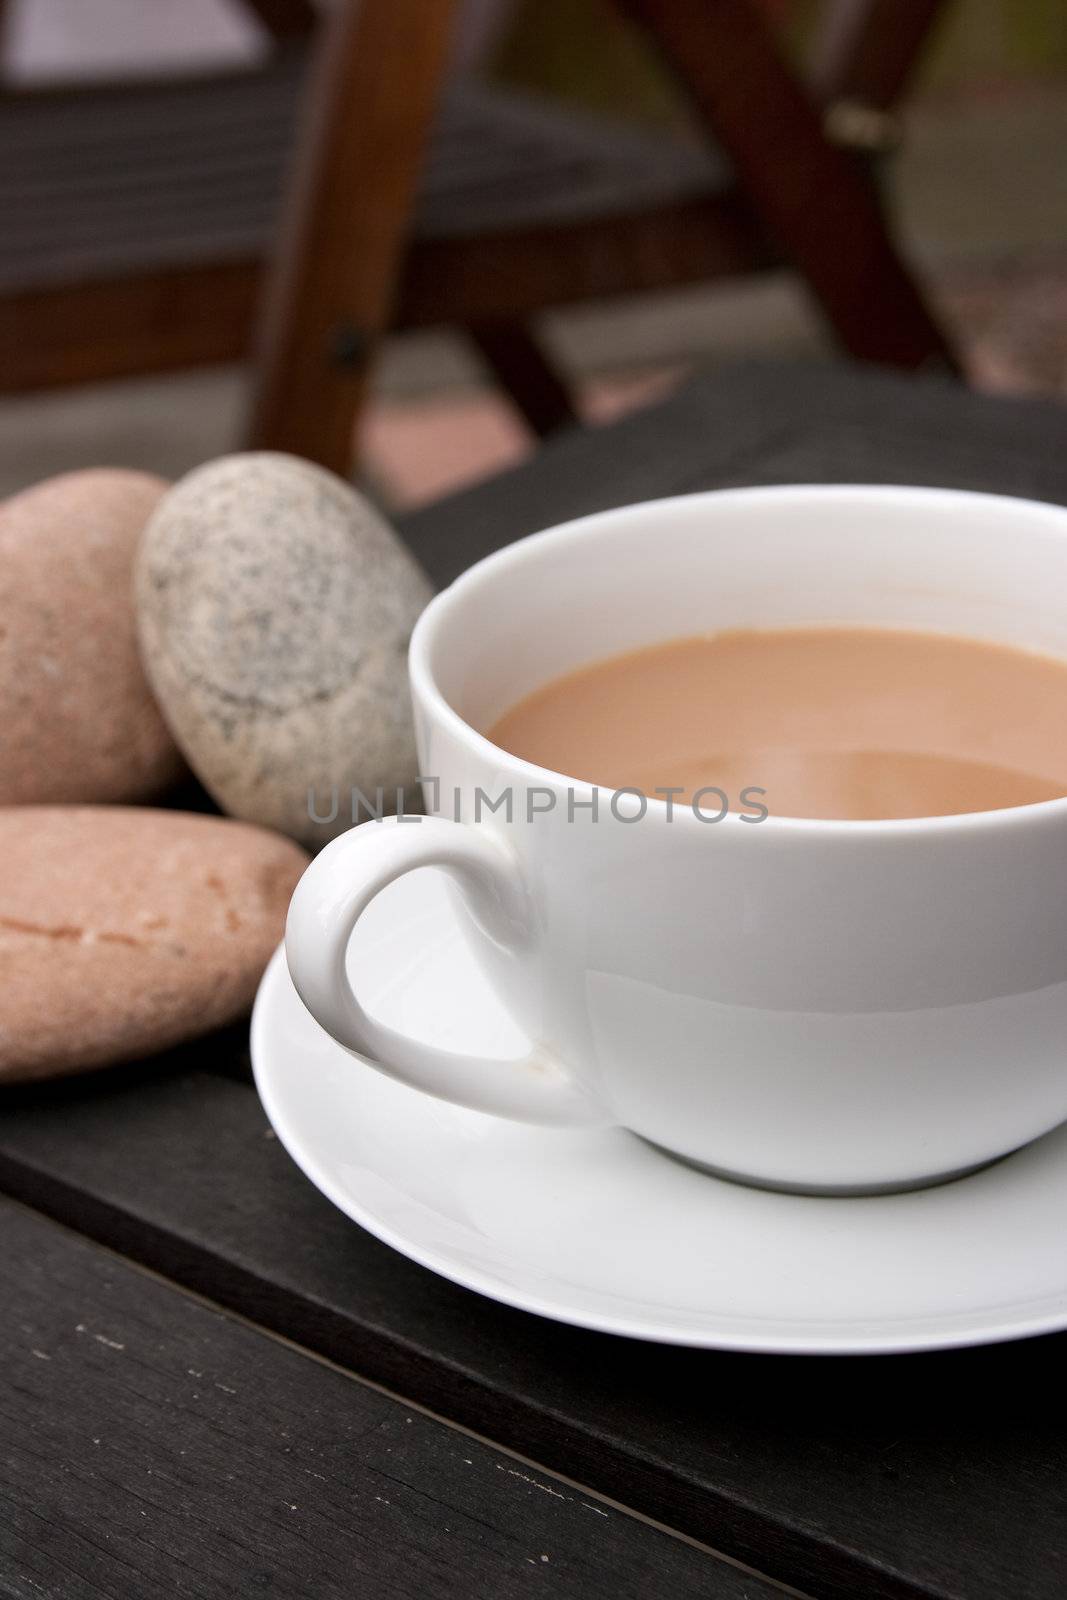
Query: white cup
[816, 1005]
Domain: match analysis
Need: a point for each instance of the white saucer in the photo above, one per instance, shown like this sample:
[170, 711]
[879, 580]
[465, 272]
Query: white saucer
[599, 1229]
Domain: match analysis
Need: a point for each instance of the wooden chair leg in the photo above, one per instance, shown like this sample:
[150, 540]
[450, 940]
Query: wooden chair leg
[371, 99]
[521, 367]
[811, 197]
[867, 49]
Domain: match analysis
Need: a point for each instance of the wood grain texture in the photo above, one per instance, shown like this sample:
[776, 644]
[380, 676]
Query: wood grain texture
[881, 1477]
[150, 1446]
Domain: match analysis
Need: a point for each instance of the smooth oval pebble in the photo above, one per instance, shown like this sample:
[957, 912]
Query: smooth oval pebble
[125, 930]
[77, 719]
[275, 607]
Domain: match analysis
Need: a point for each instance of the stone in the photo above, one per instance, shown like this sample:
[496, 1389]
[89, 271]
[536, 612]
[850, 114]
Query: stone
[274, 607]
[125, 930]
[77, 719]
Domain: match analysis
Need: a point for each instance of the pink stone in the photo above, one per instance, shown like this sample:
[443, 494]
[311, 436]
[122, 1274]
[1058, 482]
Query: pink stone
[77, 720]
[124, 931]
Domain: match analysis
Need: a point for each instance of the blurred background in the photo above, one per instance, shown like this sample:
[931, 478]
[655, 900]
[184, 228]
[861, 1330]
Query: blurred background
[410, 237]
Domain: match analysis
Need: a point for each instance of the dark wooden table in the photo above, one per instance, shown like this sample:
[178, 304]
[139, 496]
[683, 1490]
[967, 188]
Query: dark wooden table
[213, 1384]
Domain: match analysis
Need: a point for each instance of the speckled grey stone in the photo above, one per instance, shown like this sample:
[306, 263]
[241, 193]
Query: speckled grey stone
[274, 608]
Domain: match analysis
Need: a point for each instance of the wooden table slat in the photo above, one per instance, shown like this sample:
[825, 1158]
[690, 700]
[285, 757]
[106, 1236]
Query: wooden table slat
[153, 1446]
[936, 1476]
[759, 423]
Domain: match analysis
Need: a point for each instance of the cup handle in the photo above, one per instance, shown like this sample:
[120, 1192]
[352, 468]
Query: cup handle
[328, 902]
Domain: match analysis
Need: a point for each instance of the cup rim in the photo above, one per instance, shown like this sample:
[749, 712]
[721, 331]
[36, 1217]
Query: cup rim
[427, 692]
